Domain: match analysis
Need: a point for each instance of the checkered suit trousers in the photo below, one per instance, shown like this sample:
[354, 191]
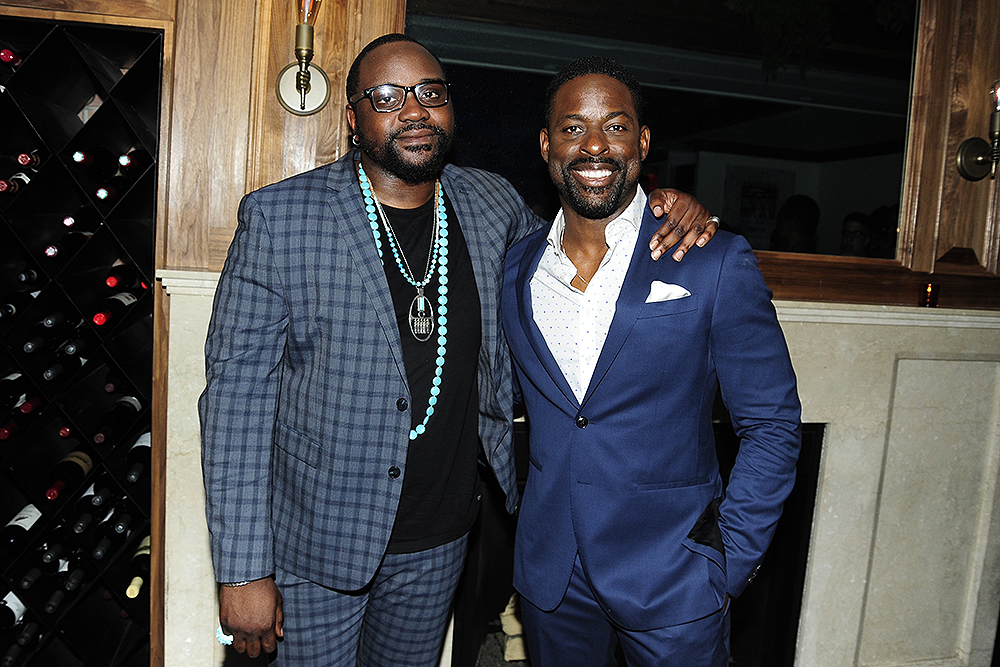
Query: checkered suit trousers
[399, 620]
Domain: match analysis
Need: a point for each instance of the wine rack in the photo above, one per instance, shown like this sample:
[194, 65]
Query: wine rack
[76, 339]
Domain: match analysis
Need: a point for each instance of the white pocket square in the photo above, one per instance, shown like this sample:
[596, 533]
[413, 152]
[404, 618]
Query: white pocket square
[661, 291]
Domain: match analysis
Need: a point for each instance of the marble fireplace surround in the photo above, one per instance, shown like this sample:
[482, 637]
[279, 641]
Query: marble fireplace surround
[904, 561]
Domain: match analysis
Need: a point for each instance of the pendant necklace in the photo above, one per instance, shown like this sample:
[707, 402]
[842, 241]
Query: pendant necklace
[421, 312]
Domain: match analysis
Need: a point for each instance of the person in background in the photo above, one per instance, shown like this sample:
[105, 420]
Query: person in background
[796, 228]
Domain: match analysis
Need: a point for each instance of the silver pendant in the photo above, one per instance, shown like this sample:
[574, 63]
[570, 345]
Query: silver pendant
[421, 317]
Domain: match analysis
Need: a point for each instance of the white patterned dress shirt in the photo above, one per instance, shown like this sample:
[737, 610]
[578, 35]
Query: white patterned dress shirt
[574, 323]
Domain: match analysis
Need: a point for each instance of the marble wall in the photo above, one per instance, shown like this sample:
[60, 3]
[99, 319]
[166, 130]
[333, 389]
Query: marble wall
[903, 566]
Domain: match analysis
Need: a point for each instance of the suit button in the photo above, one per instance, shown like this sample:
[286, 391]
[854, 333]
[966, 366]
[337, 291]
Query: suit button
[394, 472]
[581, 422]
[401, 405]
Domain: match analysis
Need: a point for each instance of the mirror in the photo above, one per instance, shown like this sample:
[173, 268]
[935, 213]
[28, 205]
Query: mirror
[786, 119]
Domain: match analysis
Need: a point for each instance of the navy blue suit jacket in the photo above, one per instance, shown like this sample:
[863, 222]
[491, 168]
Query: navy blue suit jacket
[303, 443]
[629, 478]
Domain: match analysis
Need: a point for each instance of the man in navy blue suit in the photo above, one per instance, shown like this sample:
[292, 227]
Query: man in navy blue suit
[355, 372]
[626, 535]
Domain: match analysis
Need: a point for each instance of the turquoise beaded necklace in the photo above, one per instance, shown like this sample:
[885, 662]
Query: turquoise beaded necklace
[421, 313]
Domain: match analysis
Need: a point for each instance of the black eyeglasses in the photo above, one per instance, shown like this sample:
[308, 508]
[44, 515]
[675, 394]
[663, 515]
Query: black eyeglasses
[389, 97]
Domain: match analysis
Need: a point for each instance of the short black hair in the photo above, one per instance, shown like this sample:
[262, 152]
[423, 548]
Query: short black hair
[595, 65]
[354, 74]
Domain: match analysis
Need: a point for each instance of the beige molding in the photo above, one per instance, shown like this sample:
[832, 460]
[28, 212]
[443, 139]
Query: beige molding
[188, 282]
[899, 316]
[203, 283]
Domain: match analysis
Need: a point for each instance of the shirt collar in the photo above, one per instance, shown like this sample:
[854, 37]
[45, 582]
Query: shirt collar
[629, 220]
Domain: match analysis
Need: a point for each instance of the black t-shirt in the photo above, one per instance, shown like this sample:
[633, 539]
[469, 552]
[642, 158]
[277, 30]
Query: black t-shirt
[438, 502]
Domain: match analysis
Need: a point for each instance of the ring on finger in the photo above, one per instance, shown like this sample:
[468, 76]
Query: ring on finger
[715, 219]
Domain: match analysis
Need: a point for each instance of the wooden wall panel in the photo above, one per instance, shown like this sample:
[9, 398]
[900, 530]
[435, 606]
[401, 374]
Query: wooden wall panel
[928, 134]
[209, 124]
[950, 225]
[966, 204]
[162, 10]
[282, 144]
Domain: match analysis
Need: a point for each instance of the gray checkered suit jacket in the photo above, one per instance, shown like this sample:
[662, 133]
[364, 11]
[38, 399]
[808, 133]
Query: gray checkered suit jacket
[300, 425]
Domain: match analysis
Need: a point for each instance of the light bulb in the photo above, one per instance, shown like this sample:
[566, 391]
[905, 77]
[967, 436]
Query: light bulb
[308, 10]
[995, 95]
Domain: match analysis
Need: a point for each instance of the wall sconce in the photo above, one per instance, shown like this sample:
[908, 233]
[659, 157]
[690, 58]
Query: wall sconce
[976, 158]
[303, 88]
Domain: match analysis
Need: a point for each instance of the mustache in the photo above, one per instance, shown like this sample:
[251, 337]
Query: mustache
[418, 126]
[617, 164]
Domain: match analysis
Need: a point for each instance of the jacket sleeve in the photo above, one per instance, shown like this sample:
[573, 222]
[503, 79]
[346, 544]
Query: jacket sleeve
[243, 352]
[758, 386]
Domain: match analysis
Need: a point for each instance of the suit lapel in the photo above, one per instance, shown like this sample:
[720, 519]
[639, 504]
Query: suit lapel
[529, 263]
[629, 304]
[347, 209]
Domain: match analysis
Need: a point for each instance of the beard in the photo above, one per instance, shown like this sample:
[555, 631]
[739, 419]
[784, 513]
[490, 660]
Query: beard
[594, 203]
[390, 157]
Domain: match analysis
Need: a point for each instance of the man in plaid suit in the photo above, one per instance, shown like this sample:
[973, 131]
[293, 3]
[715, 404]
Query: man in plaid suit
[355, 367]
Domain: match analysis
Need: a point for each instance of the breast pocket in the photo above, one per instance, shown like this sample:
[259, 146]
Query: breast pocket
[673, 307]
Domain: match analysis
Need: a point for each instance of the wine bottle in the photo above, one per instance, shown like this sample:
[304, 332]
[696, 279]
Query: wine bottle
[42, 337]
[69, 578]
[11, 425]
[32, 160]
[14, 183]
[55, 601]
[118, 417]
[68, 473]
[10, 58]
[68, 244]
[85, 511]
[30, 632]
[13, 389]
[124, 275]
[11, 611]
[53, 319]
[74, 346]
[135, 162]
[10, 658]
[103, 494]
[76, 576]
[84, 219]
[137, 458]
[98, 161]
[14, 532]
[113, 189]
[63, 364]
[112, 531]
[50, 558]
[28, 635]
[13, 304]
[113, 382]
[29, 279]
[138, 569]
[19, 416]
[115, 306]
